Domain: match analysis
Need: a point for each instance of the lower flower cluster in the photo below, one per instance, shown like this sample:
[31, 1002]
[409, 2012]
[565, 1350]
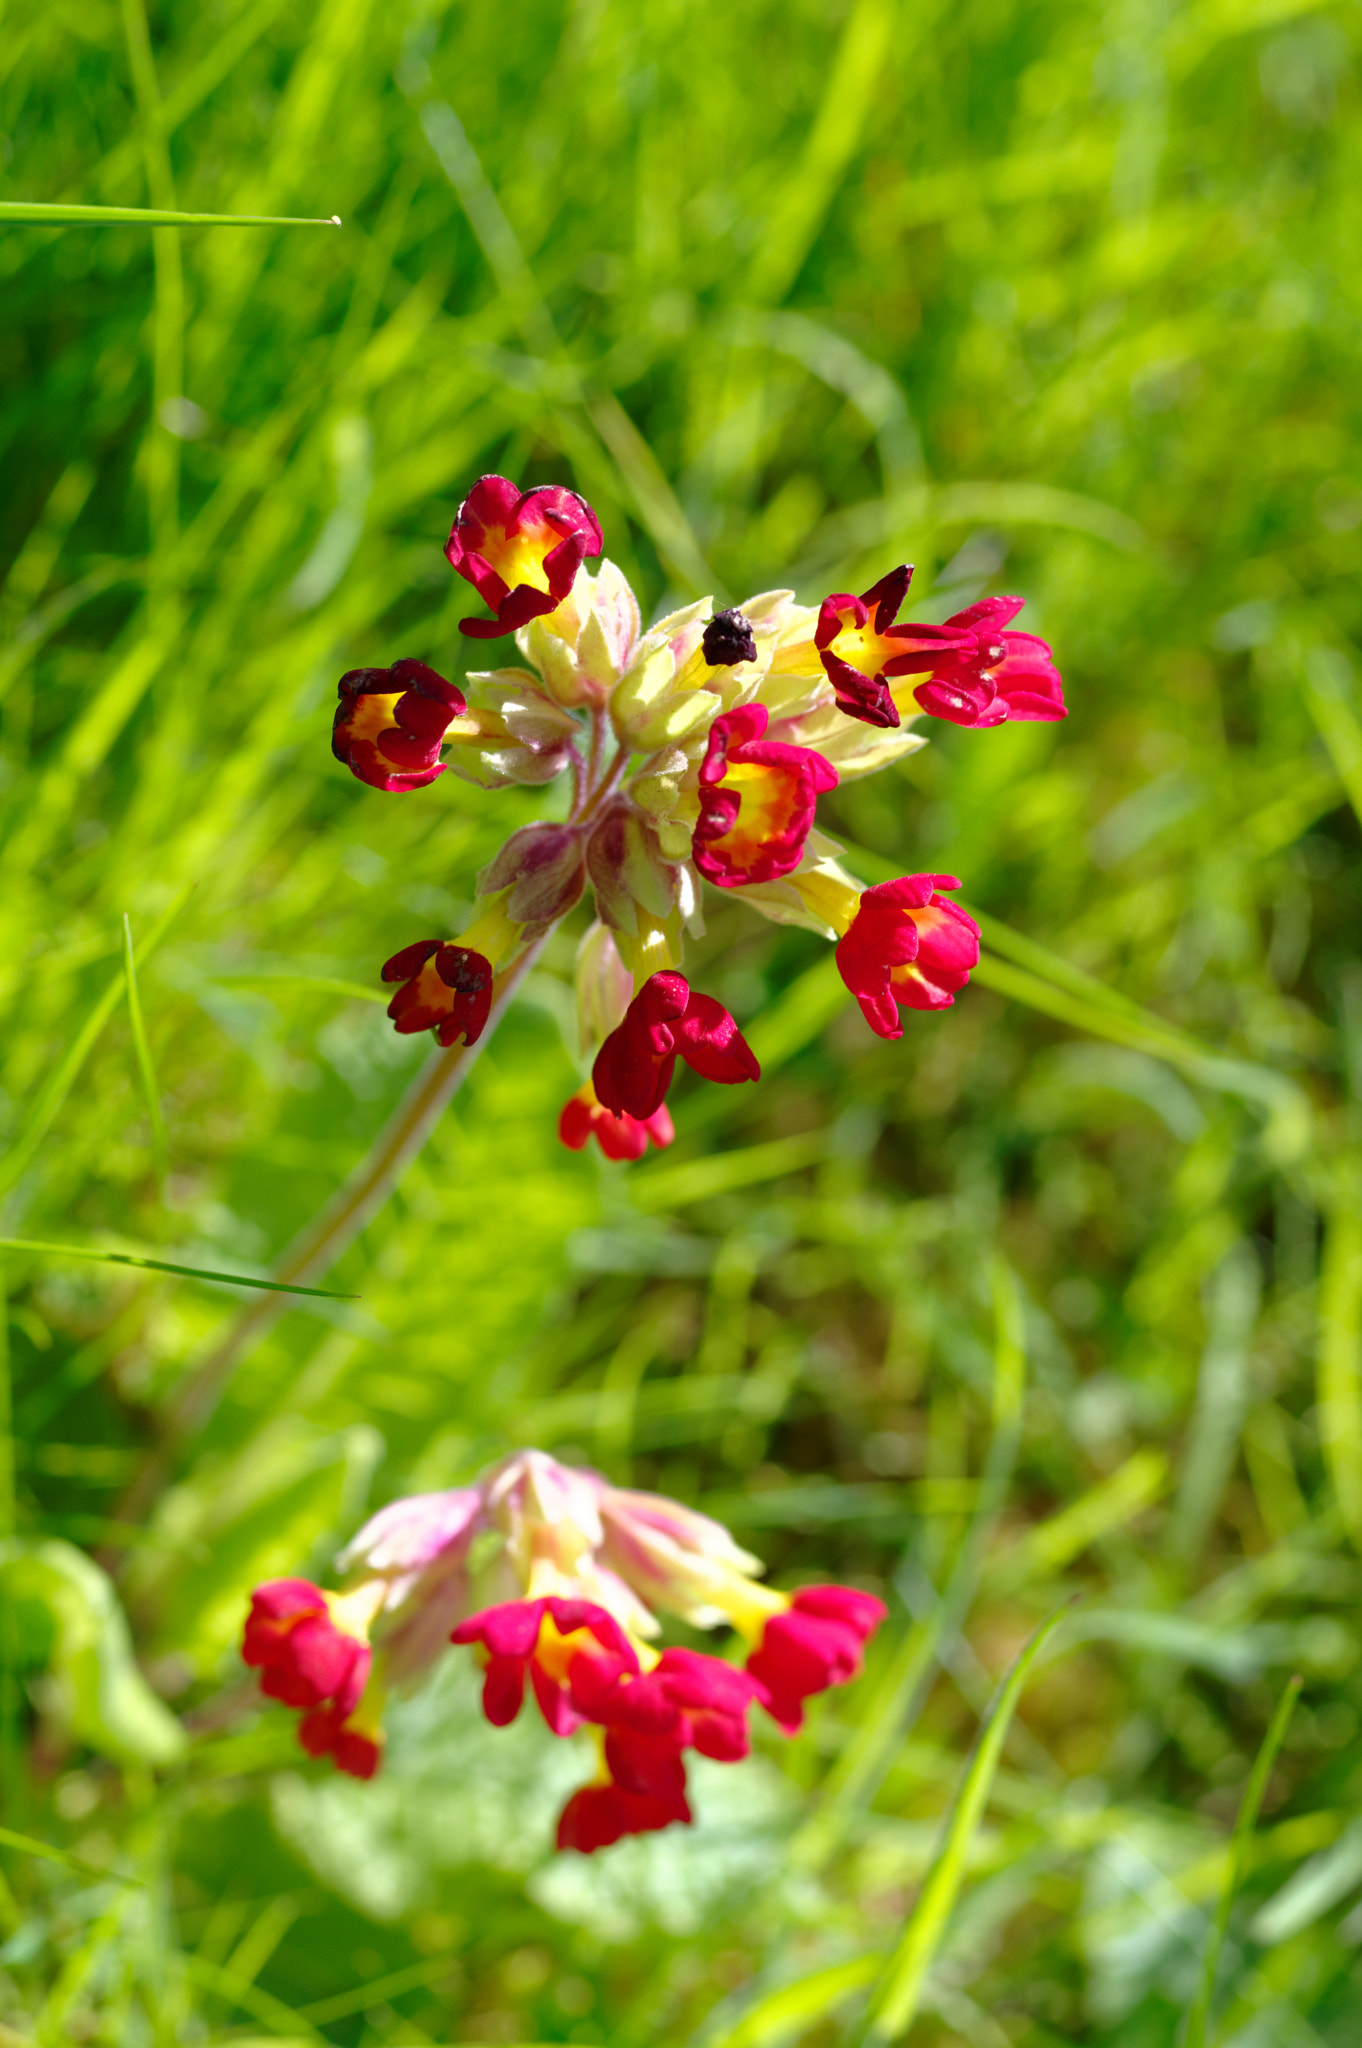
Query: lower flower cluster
[587, 1567]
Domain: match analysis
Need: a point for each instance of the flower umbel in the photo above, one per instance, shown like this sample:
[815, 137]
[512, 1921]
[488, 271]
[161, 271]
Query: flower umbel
[696, 752]
[555, 1579]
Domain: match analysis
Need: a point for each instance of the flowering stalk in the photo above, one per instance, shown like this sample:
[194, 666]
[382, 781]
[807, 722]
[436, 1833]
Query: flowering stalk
[556, 1579]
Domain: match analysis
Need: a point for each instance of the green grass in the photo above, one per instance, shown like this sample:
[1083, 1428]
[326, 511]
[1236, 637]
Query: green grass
[1062, 1294]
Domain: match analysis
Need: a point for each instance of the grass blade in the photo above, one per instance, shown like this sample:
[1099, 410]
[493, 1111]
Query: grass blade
[33, 213]
[897, 1996]
[79, 1251]
[1240, 1848]
[29, 1845]
[1340, 1349]
[144, 1061]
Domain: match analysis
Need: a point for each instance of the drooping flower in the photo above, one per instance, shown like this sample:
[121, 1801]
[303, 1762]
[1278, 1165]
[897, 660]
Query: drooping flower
[634, 1068]
[312, 1651]
[445, 988]
[815, 1643]
[555, 1578]
[520, 550]
[391, 723]
[907, 946]
[619, 1135]
[757, 801]
[984, 675]
[861, 652]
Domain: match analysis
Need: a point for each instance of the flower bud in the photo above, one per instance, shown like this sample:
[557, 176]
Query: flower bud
[604, 986]
[544, 869]
[627, 870]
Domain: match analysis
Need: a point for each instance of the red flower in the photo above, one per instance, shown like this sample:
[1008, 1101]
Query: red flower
[815, 1643]
[601, 1814]
[860, 654]
[446, 987]
[990, 675]
[391, 722]
[687, 1701]
[520, 550]
[634, 1067]
[561, 1643]
[907, 945]
[619, 1136]
[327, 1732]
[757, 801]
[303, 1658]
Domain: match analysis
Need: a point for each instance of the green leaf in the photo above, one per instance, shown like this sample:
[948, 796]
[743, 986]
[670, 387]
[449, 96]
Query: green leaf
[34, 213]
[897, 1996]
[104, 1699]
[1199, 2015]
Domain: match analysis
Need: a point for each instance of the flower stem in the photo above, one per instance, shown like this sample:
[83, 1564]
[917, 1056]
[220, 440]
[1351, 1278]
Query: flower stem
[316, 1249]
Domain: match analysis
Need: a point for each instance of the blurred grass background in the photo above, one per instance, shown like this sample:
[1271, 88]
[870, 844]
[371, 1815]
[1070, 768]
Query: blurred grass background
[1057, 299]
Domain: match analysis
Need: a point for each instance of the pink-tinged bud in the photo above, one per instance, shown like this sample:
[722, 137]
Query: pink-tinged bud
[304, 1660]
[544, 867]
[628, 869]
[553, 1641]
[988, 675]
[599, 1815]
[907, 946]
[619, 1136]
[520, 550]
[445, 988]
[634, 1067]
[391, 723]
[408, 1535]
[604, 986]
[757, 801]
[682, 1561]
[860, 652]
[816, 1643]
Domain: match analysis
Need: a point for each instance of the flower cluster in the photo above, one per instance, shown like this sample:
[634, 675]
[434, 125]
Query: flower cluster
[556, 1580]
[696, 751]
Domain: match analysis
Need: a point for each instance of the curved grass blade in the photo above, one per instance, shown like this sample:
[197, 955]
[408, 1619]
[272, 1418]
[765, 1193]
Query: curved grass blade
[795, 2008]
[896, 1998]
[34, 213]
[29, 1845]
[80, 1251]
[1200, 2011]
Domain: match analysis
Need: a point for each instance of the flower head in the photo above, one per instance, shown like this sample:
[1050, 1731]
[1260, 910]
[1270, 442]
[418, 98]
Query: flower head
[444, 987]
[862, 648]
[312, 1651]
[757, 800]
[907, 946]
[634, 1067]
[619, 1135]
[563, 1645]
[816, 1642]
[391, 723]
[520, 550]
[986, 675]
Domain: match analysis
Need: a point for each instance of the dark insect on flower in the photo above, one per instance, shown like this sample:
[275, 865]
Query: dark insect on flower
[728, 639]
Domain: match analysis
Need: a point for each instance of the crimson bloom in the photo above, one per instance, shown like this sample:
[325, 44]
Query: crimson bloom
[619, 1135]
[986, 675]
[815, 1643]
[306, 1660]
[860, 652]
[559, 1643]
[757, 801]
[601, 1814]
[907, 946]
[444, 986]
[520, 550]
[391, 722]
[634, 1067]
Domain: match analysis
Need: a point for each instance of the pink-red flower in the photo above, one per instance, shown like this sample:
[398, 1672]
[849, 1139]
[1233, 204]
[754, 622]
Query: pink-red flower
[984, 675]
[619, 1136]
[815, 1643]
[445, 987]
[757, 801]
[601, 1814]
[559, 1644]
[862, 649]
[307, 1660]
[634, 1067]
[391, 722]
[520, 550]
[907, 946]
